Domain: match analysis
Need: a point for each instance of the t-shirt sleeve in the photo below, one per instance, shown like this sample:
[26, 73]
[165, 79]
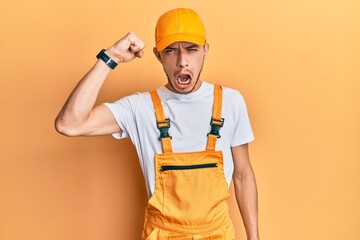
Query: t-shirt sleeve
[123, 111]
[243, 132]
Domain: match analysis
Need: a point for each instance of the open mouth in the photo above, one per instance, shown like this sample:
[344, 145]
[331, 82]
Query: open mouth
[183, 79]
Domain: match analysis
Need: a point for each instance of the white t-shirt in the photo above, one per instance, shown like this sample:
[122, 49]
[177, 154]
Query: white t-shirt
[190, 116]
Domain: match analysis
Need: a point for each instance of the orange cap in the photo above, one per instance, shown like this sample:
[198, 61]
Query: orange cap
[178, 25]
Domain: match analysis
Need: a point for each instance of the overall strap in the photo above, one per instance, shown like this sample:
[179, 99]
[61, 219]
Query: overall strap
[216, 121]
[163, 124]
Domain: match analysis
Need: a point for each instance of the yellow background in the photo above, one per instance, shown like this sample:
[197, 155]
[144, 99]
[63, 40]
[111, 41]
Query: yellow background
[297, 63]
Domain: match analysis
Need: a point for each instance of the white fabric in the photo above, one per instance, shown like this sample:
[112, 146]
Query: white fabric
[190, 116]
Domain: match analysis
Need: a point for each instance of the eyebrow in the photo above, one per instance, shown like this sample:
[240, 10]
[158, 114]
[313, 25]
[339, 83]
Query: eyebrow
[193, 46]
[190, 46]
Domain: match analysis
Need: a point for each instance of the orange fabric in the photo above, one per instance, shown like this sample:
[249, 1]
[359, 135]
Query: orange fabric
[159, 112]
[160, 118]
[166, 145]
[190, 198]
[211, 143]
[179, 25]
[217, 106]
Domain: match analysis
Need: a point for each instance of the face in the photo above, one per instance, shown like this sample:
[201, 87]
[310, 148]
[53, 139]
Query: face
[182, 63]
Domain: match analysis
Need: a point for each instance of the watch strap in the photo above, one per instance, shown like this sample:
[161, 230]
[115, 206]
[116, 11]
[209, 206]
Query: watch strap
[107, 60]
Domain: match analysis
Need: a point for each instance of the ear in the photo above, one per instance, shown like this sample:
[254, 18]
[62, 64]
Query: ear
[157, 54]
[206, 49]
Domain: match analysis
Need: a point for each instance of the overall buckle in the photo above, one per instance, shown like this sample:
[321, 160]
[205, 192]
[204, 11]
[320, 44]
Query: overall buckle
[164, 129]
[216, 125]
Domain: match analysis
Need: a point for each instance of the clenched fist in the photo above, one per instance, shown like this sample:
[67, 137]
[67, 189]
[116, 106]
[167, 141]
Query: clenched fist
[127, 48]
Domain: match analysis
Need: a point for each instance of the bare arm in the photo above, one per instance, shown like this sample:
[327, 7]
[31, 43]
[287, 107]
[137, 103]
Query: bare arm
[246, 190]
[79, 116]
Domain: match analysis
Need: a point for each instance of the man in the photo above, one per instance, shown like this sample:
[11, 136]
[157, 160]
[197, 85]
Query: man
[191, 136]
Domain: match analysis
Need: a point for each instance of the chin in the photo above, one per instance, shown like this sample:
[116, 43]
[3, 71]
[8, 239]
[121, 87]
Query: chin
[185, 90]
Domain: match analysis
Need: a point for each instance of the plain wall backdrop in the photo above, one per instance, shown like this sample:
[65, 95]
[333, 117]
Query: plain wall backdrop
[297, 63]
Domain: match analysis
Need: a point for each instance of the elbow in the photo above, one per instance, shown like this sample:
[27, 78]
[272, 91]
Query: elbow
[64, 129]
[237, 179]
[240, 177]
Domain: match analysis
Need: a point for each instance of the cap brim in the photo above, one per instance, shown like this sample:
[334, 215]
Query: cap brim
[163, 43]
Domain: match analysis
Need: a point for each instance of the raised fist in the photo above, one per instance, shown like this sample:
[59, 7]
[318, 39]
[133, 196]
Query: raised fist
[127, 48]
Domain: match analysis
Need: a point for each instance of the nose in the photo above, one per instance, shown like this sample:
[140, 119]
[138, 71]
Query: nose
[182, 60]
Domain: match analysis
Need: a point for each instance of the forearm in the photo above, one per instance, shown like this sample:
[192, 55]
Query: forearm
[82, 99]
[246, 196]
[79, 116]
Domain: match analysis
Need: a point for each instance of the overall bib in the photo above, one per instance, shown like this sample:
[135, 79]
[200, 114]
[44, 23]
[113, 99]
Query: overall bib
[190, 198]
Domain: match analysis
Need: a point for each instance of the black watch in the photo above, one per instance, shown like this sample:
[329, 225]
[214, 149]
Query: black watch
[102, 55]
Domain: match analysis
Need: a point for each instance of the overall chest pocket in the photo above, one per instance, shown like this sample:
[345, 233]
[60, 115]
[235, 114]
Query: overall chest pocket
[192, 192]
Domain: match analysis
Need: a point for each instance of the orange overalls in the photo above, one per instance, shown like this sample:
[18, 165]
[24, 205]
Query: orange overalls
[190, 198]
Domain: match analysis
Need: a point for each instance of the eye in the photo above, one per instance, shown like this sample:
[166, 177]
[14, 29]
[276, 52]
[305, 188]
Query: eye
[192, 49]
[169, 50]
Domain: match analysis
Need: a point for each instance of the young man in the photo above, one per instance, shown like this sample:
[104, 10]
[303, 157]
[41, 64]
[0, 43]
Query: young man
[191, 136]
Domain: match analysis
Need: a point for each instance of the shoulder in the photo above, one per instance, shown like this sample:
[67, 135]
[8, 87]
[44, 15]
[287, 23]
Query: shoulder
[135, 97]
[131, 102]
[232, 95]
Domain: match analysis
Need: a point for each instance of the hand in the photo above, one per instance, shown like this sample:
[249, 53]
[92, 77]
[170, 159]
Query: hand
[127, 48]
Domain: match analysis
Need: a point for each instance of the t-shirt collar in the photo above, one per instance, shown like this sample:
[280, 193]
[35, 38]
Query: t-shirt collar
[202, 90]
